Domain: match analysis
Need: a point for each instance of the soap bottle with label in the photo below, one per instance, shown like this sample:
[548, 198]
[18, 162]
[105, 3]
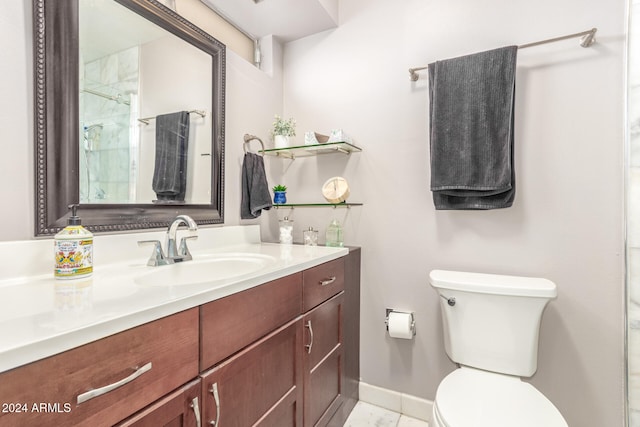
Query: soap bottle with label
[333, 235]
[73, 249]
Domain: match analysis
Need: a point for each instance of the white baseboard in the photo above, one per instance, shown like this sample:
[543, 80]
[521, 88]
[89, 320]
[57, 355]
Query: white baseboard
[405, 404]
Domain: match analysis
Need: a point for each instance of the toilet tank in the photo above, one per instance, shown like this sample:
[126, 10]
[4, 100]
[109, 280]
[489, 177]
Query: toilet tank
[495, 320]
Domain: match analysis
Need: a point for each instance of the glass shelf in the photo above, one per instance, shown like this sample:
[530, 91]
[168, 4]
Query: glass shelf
[316, 205]
[312, 150]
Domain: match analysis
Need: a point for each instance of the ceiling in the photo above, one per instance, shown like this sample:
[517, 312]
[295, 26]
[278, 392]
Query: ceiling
[285, 19]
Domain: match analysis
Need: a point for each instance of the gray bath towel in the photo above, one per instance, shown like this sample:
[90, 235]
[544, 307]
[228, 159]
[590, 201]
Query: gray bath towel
[471, 102]
[255, 189]
[172, 143]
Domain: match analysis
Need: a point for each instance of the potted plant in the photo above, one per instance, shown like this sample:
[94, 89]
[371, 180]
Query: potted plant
[282, 130]
[280, 194]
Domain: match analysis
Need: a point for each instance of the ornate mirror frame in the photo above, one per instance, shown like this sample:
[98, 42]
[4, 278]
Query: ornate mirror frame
[56, 92]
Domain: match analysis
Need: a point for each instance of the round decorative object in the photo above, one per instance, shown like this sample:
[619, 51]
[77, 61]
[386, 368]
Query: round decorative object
[335, 190]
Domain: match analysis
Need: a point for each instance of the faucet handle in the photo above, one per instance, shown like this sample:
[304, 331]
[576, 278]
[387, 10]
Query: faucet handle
[157, 256]
[184, 250]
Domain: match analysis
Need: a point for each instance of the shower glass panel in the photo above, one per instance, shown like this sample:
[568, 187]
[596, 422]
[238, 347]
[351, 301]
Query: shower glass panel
[633, 217]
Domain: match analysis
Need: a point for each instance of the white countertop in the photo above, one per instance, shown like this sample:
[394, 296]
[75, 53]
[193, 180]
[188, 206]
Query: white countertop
[41, 316]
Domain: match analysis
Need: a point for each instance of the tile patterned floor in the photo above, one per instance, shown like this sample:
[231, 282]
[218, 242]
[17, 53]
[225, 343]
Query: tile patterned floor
[366, 415]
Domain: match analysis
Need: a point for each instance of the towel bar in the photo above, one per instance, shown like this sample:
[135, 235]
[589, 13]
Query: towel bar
[587, 38]
[201, 113]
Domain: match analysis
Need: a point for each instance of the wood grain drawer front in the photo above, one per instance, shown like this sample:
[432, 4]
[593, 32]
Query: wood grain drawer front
[260, 386]
[231, 323]
[166, 348]
[322, 282]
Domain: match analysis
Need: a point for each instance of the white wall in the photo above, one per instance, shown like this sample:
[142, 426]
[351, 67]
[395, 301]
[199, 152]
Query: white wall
[566, 222]
[191, 69]
[16, 121]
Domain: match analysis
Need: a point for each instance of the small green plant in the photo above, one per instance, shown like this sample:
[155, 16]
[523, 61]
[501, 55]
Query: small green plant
[279, 188]
[283, 127]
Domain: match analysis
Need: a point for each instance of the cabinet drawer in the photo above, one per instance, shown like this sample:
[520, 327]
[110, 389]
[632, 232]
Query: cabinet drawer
[231, 323]
[322, 282]
[139, 365]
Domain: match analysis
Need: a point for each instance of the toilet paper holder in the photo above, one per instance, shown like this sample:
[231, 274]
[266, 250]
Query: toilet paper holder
[410, 313]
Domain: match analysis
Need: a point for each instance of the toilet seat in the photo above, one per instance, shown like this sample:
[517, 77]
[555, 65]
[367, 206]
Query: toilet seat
[470, 397]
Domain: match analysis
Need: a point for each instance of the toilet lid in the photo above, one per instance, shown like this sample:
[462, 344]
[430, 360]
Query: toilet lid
[470, 397]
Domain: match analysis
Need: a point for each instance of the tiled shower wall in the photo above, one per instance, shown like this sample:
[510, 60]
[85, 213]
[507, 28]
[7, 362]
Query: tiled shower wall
[633, 216]
[107, 161]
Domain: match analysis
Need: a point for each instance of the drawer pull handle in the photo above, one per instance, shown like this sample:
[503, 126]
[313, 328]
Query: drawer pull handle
[196, 411]
[328, 281]
[106, 389]
[216, 398]
[310, 345]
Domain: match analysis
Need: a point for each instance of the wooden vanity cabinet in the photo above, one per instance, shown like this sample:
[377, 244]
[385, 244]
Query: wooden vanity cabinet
[254, 338]
[259, 386]
[332, 366]
[281, 354]
[322, 295]
[293, 376]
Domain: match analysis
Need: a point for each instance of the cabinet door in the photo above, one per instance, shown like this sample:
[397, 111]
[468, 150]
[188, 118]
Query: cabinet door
[178, 409]
[106, 381]
[323, 361]
[259, 386]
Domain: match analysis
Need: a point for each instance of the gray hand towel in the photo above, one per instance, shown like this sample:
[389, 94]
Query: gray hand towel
[255, 189]
[170, 173]
[471, 102]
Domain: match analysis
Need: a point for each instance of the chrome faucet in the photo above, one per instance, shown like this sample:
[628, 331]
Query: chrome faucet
[175, 253]
[182, 253]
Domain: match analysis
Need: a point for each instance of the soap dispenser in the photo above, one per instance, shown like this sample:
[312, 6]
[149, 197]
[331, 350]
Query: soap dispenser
[333, 236]
[73, 247]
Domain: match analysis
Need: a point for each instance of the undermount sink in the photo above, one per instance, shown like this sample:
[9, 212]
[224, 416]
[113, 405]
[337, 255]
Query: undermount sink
[206, 268]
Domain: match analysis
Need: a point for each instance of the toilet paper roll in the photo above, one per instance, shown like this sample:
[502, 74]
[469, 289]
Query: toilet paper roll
[401, 325]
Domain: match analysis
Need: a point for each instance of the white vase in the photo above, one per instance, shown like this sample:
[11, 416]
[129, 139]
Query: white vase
[281, 141]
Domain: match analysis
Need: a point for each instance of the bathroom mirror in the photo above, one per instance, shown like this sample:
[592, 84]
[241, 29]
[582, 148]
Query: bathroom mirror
[105, 70]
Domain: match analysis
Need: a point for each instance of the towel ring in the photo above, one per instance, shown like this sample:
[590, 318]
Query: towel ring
[248, 138]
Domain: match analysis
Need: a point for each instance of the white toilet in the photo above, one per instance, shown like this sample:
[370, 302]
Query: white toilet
[491, 325]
